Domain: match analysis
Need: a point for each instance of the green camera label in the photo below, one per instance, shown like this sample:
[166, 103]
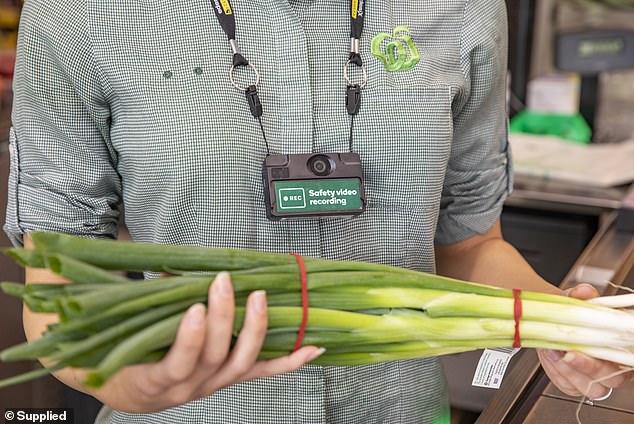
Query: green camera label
[318, 195]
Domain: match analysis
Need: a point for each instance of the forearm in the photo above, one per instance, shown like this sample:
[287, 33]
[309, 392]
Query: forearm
[489, 259]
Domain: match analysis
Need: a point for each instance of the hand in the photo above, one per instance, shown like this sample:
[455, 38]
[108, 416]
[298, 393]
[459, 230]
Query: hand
[200, 361]
[573, 372]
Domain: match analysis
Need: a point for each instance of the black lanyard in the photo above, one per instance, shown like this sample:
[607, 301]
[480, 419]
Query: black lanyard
[227, 20]
[226, 17]
[357, 16]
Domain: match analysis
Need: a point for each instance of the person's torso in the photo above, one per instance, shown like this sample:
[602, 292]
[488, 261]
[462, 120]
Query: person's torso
[190, 156]
[190, 153]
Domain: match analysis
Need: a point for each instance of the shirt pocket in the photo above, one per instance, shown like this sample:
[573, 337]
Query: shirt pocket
[184, 110]
[175, 89]
[404, 138]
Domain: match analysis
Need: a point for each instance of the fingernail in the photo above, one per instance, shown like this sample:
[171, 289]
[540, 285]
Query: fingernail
[222, 286]
[569, 358]
[196, 315]
[554, 355]
[259, 301]
[316, 354]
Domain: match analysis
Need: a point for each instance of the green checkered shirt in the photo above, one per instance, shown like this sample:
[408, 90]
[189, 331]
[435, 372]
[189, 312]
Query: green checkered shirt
[128, 102]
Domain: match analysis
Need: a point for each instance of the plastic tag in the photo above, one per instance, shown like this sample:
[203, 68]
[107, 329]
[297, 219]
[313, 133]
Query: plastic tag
[492, 366]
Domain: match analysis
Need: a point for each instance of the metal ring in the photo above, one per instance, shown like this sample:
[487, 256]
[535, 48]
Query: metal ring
[365, 75]
[235, 84]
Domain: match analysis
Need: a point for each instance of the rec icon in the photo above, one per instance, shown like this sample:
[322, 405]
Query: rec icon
[314, 185]
[291, 198]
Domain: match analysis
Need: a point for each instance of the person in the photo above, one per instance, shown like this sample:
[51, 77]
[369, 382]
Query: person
[130, 105]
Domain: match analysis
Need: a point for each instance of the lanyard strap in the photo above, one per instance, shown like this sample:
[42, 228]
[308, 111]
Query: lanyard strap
[353, 91]
[224, 13]
[226, 18]
[357, 16]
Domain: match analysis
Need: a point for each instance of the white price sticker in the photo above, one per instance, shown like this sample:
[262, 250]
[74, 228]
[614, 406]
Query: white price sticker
[492, 366]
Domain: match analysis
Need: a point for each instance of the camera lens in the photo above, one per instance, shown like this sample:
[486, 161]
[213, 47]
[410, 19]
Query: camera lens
[320, 165]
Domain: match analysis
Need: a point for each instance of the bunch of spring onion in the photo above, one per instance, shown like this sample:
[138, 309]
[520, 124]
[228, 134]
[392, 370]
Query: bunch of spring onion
[360, 312]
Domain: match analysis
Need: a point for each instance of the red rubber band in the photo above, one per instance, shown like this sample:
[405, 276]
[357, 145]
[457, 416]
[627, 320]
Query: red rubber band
[302, 326]
[517, 316]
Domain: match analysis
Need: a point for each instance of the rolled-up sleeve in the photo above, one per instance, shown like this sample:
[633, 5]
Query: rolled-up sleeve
[478, 176]
[63, 169]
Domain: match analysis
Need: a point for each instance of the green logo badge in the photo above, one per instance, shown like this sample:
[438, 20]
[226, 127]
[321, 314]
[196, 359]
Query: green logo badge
[400, 54]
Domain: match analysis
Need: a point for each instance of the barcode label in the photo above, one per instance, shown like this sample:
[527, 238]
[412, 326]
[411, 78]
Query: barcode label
[492, 366]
